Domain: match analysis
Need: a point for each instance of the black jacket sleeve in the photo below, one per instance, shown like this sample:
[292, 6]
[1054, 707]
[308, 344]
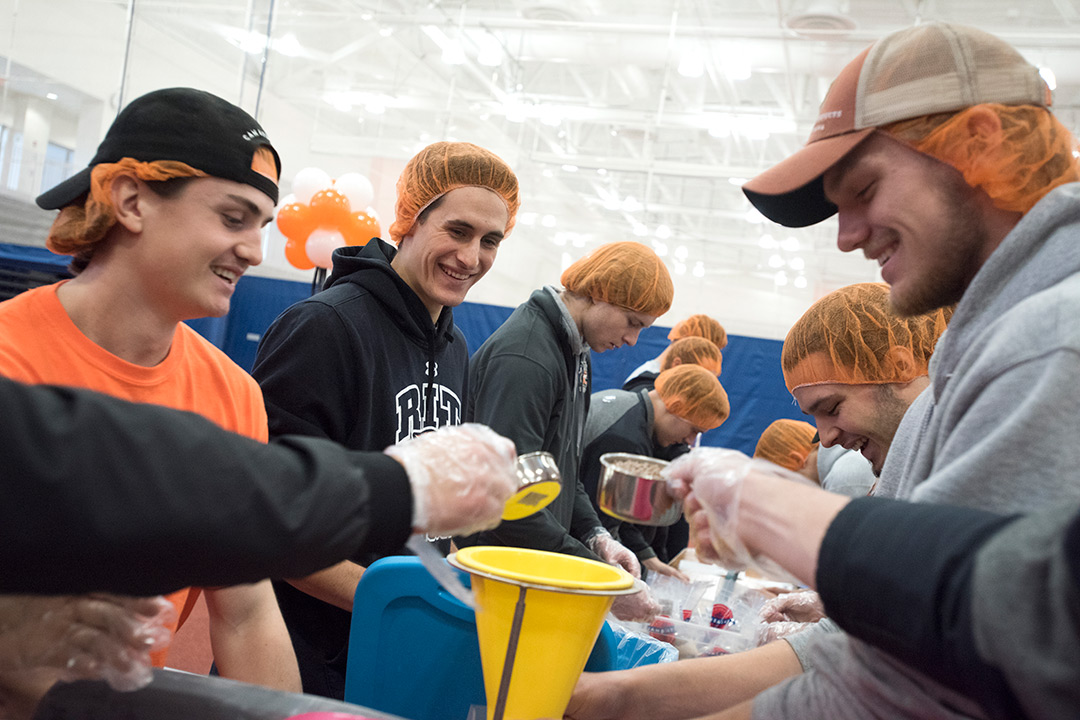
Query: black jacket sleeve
[899, 576]
[515, 396]
[105, 495]
[591, 468]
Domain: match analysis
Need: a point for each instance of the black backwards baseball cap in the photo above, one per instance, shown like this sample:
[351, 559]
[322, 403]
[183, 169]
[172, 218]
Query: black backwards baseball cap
[184, 125]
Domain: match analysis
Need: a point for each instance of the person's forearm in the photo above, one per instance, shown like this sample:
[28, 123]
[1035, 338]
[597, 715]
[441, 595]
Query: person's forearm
[335, 585]
[88, 476]
[250, 641]
[786, 521]
[688, 689]
[742, 711]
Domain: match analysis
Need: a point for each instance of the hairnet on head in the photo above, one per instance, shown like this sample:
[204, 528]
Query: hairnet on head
[693, 394]
[701, 326]
[626, 274]
[853, 337]
[695, 351]
[1031, 155]
[787, 443]
[445, 166]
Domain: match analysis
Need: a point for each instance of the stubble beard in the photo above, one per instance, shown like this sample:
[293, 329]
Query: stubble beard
[959, 248]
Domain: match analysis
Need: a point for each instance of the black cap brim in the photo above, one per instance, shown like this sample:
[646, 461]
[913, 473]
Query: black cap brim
[792, 192]
[67, 192]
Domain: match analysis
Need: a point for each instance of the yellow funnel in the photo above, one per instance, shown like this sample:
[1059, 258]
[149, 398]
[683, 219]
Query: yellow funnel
[538, 615]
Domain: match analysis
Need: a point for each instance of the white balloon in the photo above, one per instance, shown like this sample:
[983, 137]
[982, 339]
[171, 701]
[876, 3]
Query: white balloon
[320, 246]
[287, 200]
[310, 181]
[356, 188]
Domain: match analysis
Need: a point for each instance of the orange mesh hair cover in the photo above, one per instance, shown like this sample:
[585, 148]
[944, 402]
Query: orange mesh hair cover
[701, 326]
[693, 351]
[445, 166]
[77, 227]
[852, 336]
[787, 443]
[626, 274]
[1029, 156]
[694, 394]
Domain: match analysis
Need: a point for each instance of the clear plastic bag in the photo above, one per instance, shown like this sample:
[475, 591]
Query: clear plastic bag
[636, 647]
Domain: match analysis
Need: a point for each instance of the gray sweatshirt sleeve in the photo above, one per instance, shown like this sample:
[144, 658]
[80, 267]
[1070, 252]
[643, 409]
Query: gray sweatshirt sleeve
[1026, 610]
[852, 681]
[801, 642]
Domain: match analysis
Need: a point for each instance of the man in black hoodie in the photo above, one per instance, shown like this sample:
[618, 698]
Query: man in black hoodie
[375, 358]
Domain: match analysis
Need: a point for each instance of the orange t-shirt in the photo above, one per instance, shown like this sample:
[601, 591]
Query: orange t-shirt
[40, 344]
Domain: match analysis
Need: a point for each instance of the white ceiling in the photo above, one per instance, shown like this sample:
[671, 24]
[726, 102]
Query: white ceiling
[586, 100]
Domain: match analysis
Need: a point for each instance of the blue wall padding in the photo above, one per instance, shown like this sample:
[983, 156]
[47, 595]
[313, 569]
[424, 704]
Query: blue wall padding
[751, 372]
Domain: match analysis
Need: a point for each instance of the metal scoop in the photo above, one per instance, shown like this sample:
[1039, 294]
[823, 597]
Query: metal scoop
[539, 481]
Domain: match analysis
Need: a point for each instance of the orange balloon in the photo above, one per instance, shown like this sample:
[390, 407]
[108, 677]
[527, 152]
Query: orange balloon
[296, 221]
[361, 228]
[330, 208]
[296, 254]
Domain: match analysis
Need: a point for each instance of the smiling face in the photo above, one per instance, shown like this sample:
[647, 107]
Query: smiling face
[195, 245]
[606, 327]
[914, 216]
[452, 246]
[858, 417]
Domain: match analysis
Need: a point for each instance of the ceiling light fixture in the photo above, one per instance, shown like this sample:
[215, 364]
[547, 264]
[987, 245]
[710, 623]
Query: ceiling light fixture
[692, 63]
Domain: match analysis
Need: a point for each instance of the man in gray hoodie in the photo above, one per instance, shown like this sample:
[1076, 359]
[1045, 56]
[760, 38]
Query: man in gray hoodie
[937, 149]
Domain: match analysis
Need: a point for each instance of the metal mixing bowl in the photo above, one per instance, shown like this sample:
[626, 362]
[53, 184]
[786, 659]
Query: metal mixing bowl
[631, 489]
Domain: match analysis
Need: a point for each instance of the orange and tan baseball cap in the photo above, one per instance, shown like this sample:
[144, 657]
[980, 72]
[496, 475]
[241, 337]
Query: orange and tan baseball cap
[921, 70]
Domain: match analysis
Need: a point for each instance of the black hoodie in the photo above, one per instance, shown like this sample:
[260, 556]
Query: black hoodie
[362, 364]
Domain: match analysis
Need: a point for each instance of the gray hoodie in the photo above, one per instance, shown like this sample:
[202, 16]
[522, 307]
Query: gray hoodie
[997, 429]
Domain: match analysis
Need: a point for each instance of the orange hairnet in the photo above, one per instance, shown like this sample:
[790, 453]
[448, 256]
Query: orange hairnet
[78, 227]
[787, 443]
[853, 336]
[694, 394]
[701, 326]
[626, 274]
[445, 166]
[692, 350]
[1030, 156]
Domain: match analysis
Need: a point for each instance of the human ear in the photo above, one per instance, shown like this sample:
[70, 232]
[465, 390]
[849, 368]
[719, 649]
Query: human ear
[982, 122]
[126, 192]
[902, 360]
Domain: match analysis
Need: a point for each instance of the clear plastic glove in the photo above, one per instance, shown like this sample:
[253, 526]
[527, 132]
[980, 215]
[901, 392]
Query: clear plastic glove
[710, 481]
[768, 632]
[100, 637]
[614, 552]
[461, 478]
[639, 607]
[804, 606]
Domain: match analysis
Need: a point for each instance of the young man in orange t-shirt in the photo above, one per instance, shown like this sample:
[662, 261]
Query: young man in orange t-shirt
[162, 224]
